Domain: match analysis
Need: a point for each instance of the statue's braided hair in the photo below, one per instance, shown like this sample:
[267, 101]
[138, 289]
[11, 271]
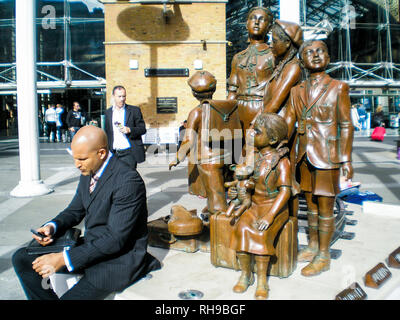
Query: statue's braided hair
[292, 49]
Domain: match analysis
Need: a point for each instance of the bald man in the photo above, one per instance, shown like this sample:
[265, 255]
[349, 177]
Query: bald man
[113, 253]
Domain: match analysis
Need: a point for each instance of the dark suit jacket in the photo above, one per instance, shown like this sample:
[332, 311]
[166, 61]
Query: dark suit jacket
[133, 120]
[325, 129]
[114, 252]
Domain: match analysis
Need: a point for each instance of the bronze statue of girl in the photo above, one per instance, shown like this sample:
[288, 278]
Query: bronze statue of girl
[258, 227]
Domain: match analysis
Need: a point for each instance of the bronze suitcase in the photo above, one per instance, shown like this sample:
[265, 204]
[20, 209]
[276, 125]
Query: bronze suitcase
[159, 236]
[282, 265]
[220, 237]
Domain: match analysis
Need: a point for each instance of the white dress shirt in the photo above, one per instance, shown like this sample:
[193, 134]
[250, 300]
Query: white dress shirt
[120, 139]
[51, 115]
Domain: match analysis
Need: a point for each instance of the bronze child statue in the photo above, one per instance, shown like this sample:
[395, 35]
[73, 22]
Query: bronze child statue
[287, 37]
[243, 185]
[257, 228]
[252, 67]
[321, 107]
[203, 139]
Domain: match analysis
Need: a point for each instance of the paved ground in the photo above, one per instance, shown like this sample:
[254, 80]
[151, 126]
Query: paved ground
[376, 167]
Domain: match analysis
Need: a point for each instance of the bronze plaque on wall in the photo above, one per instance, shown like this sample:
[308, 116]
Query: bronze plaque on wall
[167, 105]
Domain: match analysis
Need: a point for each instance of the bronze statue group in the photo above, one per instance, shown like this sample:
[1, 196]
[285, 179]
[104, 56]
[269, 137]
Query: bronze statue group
[296, 135]
[275, 136]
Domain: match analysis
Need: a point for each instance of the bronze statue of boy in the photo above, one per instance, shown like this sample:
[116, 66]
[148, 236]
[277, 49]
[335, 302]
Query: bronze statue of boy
[321, 107]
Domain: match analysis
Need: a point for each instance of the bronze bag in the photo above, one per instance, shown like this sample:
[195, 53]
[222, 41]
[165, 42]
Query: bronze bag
[183, 222]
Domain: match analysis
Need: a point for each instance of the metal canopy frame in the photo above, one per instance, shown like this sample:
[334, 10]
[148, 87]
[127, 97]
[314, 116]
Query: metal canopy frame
[319, 18]
[322, 16]
[51, 81]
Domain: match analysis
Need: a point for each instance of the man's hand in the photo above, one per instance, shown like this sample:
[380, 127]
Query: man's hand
[72, 129]
[48, 264]
[348, 171]
[125, 130]
[46, 230]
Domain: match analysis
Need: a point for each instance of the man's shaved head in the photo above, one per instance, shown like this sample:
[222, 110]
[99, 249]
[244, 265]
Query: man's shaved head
[94, 138]
[89, 149]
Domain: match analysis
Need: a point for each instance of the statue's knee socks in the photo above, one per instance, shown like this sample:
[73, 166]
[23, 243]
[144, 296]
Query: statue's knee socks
[326, 228]
[245, 263]
[313, 222]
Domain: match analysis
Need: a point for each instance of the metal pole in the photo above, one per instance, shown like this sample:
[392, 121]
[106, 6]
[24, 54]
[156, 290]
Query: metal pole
[348, 67]
[28, 132]
[389, 57]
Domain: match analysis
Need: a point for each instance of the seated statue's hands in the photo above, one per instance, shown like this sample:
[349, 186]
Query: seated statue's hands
[263, 224]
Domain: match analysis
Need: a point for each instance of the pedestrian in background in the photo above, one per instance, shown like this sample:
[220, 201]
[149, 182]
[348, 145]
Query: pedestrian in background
[355, 118]
[50, 118]
[124, 128]
[378, 117]
[59, 123]
[74, 119]
[362, 113]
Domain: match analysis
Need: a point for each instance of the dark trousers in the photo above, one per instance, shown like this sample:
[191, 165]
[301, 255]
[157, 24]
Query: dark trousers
[127, 157]
[51, 128]
[73, 133]
[37, 288]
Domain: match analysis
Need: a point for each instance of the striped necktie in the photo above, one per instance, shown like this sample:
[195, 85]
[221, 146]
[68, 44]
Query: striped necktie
[93, 182]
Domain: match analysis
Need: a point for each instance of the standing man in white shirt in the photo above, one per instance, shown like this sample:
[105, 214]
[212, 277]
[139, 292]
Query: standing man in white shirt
[50, 117]
[124, 128]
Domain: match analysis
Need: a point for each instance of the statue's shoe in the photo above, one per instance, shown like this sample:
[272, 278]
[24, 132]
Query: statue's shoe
[261, 292]
[243, 283]
[319, 264]
[307, 254]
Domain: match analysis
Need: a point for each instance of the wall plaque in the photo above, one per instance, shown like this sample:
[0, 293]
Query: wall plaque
[353, 292]
[394, 259]
[377, 276]
[175, 72]
[167, 105]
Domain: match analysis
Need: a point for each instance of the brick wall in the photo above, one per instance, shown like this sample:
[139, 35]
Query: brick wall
[129, 24]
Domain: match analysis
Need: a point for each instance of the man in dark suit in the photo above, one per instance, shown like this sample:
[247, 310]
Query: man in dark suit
[321, 107]
[113, 253]
[125, 127]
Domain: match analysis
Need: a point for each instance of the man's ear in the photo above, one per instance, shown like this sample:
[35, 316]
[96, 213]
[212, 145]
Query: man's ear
[103, 153]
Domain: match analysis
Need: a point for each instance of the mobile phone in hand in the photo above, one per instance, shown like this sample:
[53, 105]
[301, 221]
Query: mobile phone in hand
[118, 124]
[41, 235]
